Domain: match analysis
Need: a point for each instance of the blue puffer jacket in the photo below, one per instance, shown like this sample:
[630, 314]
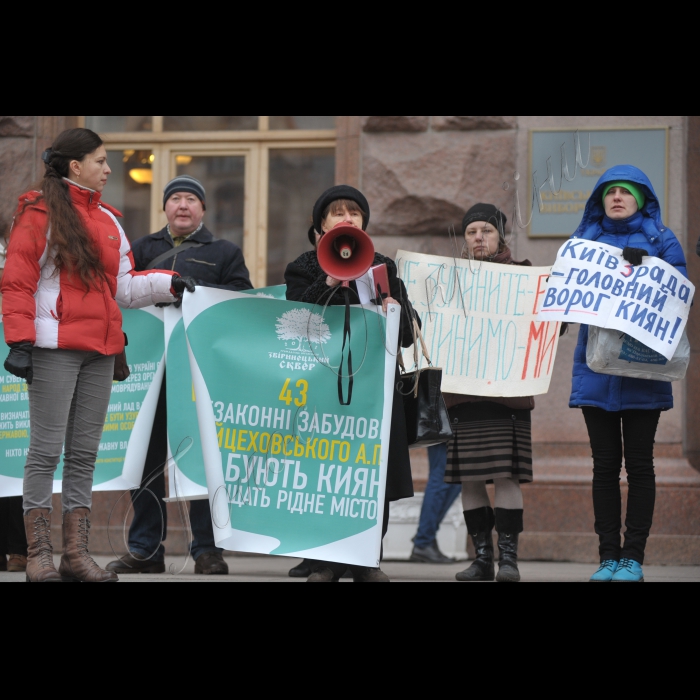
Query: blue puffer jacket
[642, 230]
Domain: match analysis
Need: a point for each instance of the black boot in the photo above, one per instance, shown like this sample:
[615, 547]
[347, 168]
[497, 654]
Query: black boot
[302, 569]
[480, 528]
[509, 524]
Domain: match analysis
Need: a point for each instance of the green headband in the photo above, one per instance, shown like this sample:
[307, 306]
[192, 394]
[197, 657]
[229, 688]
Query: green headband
[635, 190]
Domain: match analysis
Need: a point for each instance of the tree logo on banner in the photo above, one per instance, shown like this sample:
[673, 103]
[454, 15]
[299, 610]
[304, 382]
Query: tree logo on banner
[299, 325]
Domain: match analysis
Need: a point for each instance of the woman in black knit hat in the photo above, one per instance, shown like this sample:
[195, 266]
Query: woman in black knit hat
[307, 282]
[492, 436]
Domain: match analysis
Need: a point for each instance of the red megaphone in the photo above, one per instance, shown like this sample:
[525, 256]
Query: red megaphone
[345, 252]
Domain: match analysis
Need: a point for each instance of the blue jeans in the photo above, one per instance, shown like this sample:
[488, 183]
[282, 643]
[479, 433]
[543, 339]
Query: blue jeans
[438, 498]
[150, 524]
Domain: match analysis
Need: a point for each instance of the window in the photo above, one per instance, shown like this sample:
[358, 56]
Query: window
[261, 175]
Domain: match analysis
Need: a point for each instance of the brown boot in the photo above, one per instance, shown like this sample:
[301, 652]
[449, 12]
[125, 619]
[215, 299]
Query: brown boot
[40, 568]
[17, 562]
[365, 574]
[76, 563]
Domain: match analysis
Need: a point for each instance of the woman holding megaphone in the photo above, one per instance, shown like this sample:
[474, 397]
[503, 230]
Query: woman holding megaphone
[306, 280]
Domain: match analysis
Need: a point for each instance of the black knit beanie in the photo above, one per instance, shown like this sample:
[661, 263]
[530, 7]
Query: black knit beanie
[488, 213]
[185, 183]
[339, 192]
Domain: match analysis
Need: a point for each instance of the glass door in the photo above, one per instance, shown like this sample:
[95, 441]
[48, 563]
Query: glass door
[259, 194]
[129, 188]
[228, 176]
[296, 177]
[223, 178]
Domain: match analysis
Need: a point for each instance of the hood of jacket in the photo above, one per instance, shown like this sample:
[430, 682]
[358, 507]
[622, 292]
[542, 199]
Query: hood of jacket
[32, 198]
[80, 196]
[591, 226]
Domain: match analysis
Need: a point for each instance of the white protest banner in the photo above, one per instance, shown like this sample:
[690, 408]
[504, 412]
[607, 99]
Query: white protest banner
[277, 291]
[290, 471]
[186, 477]
[14, 426]
[124, 442]
[592, 283]
[479, 323]
[132, 406]
[185, 471]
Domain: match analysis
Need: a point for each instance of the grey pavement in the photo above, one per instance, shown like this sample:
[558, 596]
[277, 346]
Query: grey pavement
[274, 569]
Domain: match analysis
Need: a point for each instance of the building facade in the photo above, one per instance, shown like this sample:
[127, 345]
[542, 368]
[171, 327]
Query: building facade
[420, 174]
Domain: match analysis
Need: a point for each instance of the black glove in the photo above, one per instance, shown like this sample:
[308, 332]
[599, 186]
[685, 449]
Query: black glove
[180, 284]
[19, 361]
[634, 255]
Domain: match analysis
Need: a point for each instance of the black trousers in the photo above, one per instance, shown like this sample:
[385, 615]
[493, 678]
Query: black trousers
[611, 433]
[13, 539]
[150, 524]
[339, 569]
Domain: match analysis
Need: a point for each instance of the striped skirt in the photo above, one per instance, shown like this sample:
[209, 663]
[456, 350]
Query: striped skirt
[491, 441]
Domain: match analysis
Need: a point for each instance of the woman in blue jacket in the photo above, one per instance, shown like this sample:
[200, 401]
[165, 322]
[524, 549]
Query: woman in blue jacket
[622, 413]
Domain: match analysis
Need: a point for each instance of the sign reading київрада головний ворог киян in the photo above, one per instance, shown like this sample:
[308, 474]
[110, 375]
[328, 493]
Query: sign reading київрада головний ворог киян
[592, 283]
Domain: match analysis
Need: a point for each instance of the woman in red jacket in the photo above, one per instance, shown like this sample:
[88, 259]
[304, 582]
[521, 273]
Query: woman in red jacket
[68, 266]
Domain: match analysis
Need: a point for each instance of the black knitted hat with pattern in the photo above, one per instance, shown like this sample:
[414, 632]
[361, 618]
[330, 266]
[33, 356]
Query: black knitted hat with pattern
[485, 212]
[185, 183]
[339, 192]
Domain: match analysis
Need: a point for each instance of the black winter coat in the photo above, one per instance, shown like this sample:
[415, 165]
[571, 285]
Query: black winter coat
[306, 282]
[217, 263]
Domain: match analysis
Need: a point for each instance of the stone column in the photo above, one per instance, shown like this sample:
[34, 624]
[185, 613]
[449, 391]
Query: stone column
[22, 140]
[691, 437]
[347, 151]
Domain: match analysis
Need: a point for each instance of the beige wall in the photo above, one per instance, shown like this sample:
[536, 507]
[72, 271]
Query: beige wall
[691, 437]
[22, 140]
[420, 174]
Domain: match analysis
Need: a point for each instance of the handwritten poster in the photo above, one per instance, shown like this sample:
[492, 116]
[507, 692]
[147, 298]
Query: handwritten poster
[480, 324]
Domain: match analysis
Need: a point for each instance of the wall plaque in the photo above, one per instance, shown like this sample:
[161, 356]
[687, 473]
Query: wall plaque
[561, 213]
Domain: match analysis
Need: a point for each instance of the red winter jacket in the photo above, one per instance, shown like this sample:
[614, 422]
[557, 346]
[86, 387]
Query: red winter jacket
[54, 311]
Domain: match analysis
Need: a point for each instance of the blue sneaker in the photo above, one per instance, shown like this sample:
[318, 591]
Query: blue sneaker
[628, 571]
[605, 572]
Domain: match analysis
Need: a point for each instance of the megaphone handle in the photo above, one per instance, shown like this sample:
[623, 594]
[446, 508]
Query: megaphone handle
[346, 335]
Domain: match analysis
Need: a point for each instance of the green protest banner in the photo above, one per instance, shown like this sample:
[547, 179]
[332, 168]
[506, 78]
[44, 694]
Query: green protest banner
[128, 423]
[289, 470]
[132, 407]
[14, 426]
[186, 478]
[185, 465]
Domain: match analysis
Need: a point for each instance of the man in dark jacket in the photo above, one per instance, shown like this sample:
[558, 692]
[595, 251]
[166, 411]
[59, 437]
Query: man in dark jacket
[187, 246]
